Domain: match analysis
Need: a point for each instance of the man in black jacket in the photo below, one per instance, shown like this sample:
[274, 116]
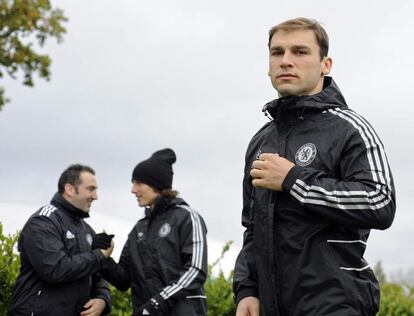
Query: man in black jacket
[164, 260]
[58, 274]
[316, 181]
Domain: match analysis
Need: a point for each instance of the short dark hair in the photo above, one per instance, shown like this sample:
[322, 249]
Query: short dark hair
[304, 24]
[72, 176]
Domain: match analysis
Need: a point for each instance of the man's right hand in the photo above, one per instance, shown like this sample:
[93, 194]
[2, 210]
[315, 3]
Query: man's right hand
[107, 252]
[249, 306]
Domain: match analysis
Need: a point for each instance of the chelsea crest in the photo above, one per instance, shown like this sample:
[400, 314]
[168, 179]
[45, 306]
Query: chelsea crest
[305, 155]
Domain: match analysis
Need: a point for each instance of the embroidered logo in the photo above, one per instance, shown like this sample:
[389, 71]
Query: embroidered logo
[305, 155]
[140, 236]
[69, 235]
[164, 230]
[89, 239]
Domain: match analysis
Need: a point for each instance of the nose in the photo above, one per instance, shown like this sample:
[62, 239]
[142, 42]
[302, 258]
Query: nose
[286, 60]
[95, 195]
[134, 188]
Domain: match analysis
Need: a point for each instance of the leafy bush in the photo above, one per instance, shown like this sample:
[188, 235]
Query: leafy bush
[121, 302]
[9, 268]
[396, 300]
[220, 295]
[219, 289]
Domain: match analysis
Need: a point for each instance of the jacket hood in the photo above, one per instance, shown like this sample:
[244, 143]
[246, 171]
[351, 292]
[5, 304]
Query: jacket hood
[60, 202]
[329, 97]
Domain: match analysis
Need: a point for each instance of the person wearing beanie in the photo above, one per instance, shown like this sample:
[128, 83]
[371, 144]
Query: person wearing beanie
[164, 260]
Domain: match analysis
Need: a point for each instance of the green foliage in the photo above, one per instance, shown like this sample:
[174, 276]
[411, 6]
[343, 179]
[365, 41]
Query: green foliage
[219, 293]
[121, 302]
[219, 289]
[9, 268]
[396, 300]
[23, 23]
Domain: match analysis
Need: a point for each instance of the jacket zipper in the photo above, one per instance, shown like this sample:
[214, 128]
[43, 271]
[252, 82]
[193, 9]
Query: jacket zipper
[38, 294]
[276, 256]
[275, 270]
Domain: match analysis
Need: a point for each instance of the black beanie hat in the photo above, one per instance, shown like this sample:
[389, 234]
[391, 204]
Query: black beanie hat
[156, 171]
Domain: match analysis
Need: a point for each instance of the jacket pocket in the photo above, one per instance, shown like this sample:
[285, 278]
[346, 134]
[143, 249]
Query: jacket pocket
[354, 274]
[71, 244]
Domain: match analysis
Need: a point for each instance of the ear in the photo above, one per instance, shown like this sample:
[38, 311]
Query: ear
[326, 65]
[69, 189]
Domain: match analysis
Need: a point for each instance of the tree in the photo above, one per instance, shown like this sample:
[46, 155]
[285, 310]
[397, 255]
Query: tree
[23, 25]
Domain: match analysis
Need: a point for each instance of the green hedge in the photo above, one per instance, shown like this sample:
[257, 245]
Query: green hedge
[9, 268]
[396, 299]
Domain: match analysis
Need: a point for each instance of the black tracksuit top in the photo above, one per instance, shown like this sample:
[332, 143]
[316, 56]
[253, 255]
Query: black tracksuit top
[164, 259]
[303, 248]
[58, 272]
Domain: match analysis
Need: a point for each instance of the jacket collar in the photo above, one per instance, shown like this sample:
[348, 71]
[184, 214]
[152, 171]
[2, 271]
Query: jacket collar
[60, 202]
[296, 106]
[161, 205]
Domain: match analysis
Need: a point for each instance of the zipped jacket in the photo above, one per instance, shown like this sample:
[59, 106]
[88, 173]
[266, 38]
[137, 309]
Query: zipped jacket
[164, 260]
[58, 272]
[303, 247]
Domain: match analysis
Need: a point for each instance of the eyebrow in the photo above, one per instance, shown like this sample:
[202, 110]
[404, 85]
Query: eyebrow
[298, 47]
[294, 47]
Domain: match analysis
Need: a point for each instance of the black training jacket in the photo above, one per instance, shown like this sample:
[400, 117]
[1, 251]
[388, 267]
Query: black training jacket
[164, 260]
[58, 268]
[303, 248]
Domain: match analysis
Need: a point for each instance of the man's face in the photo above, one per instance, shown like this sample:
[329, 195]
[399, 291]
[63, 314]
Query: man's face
[295, 67]
[145, 194]
[84, 194]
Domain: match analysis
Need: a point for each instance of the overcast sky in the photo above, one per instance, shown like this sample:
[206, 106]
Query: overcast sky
[132, 77]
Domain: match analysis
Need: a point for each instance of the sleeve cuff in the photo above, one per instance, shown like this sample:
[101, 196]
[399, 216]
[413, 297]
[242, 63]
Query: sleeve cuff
[291, 177]
[99, 255]
[159, 303]
[245, 293]
[107, 263]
